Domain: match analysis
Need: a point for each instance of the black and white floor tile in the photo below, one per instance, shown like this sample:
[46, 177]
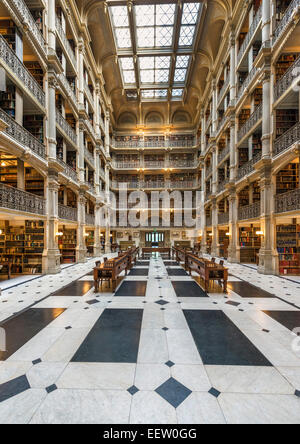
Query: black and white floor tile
[158, 350]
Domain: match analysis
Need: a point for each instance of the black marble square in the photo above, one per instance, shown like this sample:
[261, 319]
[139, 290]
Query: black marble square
[132, 288]
[173, 392]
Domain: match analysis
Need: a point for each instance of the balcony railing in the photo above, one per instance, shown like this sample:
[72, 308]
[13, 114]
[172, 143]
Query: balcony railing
[22, 136]
[250, 34]
[221, 123]
[66, 128]
[248, 167]
[224, 88]
[28, 20]
[67, 213]
[89, 219]
[65, 41]
[222, 185]
[88, 93]
[185, 184]
[249, 211]
[67, 87]
[208, 170]
[222, 154]
[68, 170]
[287, 80]
[180, 143]
[288, 139]
[154, 164]
[247, 82]
[9, 58]
[102, 173]
[15, 199]
[223, 218]
[91, 187]
[182, 164]
[89, 156]
[289, 201]
[90, 128]
[251, 122]
[287, 18]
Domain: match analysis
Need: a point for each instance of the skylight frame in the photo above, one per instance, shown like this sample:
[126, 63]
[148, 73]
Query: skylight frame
[179, 41]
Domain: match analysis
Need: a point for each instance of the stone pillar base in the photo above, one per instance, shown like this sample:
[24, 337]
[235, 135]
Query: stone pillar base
[233, 256]
[97, 251]
[215, 251]
[268, 262]
[51, 262]
[81, 255]
[107, 248]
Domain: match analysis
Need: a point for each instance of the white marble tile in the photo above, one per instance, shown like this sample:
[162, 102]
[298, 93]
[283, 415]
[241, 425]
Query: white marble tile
[105, 376]
[20, 409]
[44, 374]
[150, 408]
[10, 370]
[153, 347]
[84, 407]
[194, 377]
[182, 348]
[241, 379]
[200, 408]
[151, 376]
[260, 409]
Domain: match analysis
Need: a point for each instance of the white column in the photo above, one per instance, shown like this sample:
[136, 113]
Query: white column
[81, 249]
[51, 116]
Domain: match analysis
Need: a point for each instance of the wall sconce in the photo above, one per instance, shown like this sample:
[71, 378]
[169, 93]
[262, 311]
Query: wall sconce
[227, 234]
[210, 234]
[86, 234]
[59, 233]
[260, 233]
[1, 231]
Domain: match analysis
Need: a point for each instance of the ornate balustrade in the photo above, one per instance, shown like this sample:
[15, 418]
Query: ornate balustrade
[223, 218]
[222, 185]
[27, 19]
[250, 34]
[223, 89]
[90, 128]
[208, 171]
[22, 136]
[289, 201]
[89, 219]
[247, 82]
[15, 199]
[65, 41]
[288, 139]
[67, 87]
[67, 213]
[251, 122]
[88, 93]
[248, 167]
[66, 128]
[249, 211]
[287, 79]
[286, 20]
[9, 58]
[182, 164]
[186, 184]
[154, 164]
[89, 156]
[221, 123]
[102, 173]
[222, 154]
[68, 170]
[126, 165]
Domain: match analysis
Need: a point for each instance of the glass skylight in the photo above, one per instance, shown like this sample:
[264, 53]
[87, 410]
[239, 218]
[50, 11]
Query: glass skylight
[156, 34]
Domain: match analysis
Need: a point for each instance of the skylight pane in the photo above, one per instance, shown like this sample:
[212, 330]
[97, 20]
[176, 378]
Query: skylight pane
[127, 63]
[177, 92]
[190, 13]
[186, 35]
[147, 76]
[179, 75]
[120, 16]
[145, 15]
[182, 61]
[162, 76]
[146, 62]
[162, 62]
[161, 93]
[164, 36]
[123, 37]
[145, 37]
[129, 76]
[165, 14]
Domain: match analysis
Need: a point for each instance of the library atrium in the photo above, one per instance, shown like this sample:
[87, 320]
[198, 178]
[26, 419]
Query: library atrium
[149, 211]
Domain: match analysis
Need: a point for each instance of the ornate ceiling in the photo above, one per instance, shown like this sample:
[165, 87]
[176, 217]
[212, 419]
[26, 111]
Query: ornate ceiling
[156, 56]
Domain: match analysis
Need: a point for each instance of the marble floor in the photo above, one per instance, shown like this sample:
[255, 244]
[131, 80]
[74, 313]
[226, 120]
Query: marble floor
[159, 350]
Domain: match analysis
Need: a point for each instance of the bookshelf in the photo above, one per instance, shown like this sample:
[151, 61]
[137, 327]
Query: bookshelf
[8, 30]
[250, 244]
[224, 243]
[243, 156]
[288, 247]
[8, 172]
[35, 125]
[36, 71]
[281, 6]
[283, 64]
[23, 246]
[90, 241]
[8, 100]
[34, 182]
[244, 116]
[288, 178]
[285, 119]
[67, 245]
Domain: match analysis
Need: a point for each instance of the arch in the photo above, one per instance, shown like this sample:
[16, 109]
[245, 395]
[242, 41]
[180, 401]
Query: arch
[181, 117]
[154, 118]
[127, 119]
